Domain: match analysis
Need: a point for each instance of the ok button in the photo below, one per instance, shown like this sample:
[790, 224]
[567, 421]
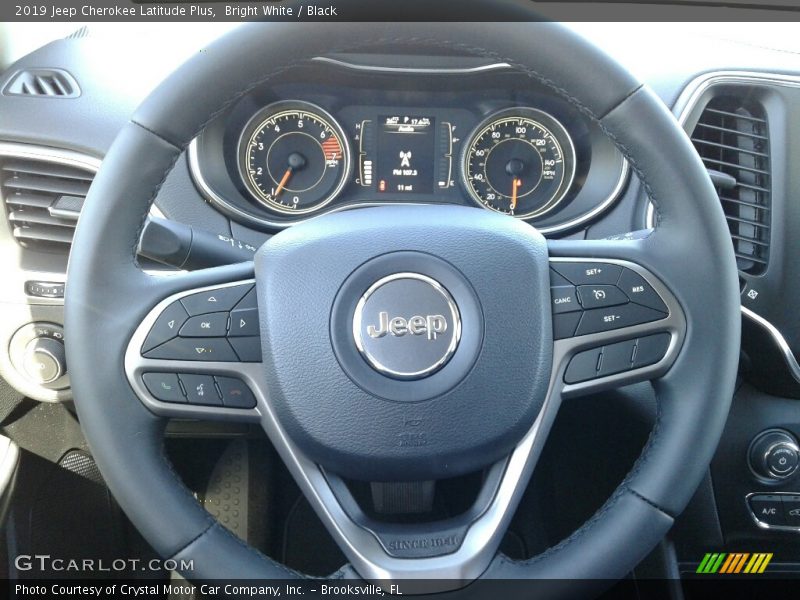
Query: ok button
[210, 325]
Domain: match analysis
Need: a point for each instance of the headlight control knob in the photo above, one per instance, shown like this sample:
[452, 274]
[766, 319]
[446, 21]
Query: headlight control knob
[44, 360]
[774, 454]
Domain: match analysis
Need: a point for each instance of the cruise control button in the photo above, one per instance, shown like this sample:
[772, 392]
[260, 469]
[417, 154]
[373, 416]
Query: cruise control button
[588, 273]
[768, 509]
[639, 291]
[617, 317]
[564, 325]
[598, 296]
[200, 389]
[164, 386]
[583, 366]
[616, 358]
[166, 326]
[651, 349]
[791, 510]
[218, 300]
[564, 299]
[235, 393]
[211, 325]
[207, 349]
[244, 322]
[248, 348]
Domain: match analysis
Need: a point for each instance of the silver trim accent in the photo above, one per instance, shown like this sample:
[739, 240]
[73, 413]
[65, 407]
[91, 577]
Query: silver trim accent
[761, 524]
[361, 547]
[783, 345]
[684, 105]
[454, 314]
[419, 70]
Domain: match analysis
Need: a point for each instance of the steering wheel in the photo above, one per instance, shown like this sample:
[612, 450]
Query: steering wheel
[406, 343]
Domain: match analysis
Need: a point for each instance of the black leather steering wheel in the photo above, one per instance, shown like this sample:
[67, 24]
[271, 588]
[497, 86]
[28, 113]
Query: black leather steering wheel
[489, 406]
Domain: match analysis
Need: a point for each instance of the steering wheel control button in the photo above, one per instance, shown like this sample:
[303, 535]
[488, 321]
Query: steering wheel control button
[235, 394]
[588, 273]
[564, 299]
[583, 366]
[247, 348]
[768, 509]
[639, 291]
[164, 387]
[564, 325]
[244, 322]
[406, 326]
[200, 389]
[166, 327]
[608, 319]
[599, 296]
[210, 325]
[774, 454]
[203, 349]
[216, 300]
[651, 349]
[44, 360]
[617, 358]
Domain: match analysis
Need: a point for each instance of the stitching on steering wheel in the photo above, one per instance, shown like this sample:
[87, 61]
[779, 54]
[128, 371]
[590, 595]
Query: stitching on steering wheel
[179, 149]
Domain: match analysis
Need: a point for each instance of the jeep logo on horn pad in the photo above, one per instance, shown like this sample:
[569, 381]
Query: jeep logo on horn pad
[406, 326]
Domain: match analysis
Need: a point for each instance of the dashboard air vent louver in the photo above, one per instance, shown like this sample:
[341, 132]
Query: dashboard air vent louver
[43, 201]
[45, 83]
[732, 138]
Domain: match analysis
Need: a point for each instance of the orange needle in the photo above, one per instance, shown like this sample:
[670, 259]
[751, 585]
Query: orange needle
[283, 182]
[514, 187]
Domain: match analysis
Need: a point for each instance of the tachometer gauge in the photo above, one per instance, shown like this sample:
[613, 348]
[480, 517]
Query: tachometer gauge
[293, 157]
[520, 161]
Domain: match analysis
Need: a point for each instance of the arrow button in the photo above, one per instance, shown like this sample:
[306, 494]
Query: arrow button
[244, 322]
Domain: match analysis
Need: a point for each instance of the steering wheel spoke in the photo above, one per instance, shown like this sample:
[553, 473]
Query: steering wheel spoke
[614, 322]
[197, 353]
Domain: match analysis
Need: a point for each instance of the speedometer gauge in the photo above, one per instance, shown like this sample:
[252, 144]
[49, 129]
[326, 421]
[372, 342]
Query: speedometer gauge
[520, 161]
[293, 157]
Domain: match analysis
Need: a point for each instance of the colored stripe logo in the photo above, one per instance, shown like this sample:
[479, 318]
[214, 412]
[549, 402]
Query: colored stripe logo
[736, 562]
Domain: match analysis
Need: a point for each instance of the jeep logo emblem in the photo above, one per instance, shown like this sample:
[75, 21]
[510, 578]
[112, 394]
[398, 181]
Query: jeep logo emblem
[431, 325]
[406, 326]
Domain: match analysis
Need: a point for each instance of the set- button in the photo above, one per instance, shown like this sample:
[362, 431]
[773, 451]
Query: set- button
[219, 325]
[199, 389]
[592, 297]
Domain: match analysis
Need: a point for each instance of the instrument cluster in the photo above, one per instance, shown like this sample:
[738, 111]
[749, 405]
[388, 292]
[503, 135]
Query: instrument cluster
[331, 137]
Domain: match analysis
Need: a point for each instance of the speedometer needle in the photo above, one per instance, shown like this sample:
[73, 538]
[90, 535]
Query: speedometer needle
[514, 187]
[284, 181]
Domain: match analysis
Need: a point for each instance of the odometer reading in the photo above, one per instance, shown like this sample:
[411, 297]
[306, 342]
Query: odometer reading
[520, 162]
[293, 157]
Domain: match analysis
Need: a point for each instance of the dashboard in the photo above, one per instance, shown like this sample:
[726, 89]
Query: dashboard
[345, 131]
[336, 134]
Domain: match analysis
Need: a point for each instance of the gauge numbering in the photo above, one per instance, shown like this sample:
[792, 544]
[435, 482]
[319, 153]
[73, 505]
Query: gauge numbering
[520, 162]
[294, 157]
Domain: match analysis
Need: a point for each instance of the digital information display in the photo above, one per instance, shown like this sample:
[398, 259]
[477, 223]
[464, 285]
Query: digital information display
[406, 147]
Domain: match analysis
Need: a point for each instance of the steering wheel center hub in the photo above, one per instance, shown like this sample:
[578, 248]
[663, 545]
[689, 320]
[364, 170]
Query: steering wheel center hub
[407, 326]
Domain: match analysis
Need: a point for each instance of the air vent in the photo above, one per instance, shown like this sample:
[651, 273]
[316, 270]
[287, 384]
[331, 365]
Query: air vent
[45, 83]
[43, 201]
[732, 138]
